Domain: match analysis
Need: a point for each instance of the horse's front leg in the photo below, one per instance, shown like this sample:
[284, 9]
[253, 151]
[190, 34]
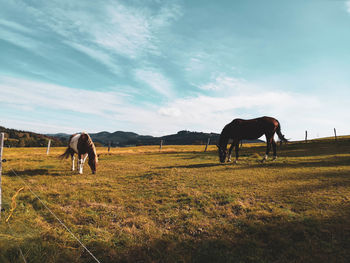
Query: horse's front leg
[86, 155]
[230, 152]
[80, 163]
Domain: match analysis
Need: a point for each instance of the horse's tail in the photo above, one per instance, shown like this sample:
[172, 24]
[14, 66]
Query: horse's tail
[66, 154]
[279, 133]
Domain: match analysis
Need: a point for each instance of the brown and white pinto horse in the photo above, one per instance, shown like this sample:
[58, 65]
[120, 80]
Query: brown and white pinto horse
[81, 144]
[239, 129]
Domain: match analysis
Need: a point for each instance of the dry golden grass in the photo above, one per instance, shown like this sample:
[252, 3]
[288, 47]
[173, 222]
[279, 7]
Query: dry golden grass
[181, 205]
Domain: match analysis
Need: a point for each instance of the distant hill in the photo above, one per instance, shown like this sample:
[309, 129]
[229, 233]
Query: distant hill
[120, 138]
[17, 138]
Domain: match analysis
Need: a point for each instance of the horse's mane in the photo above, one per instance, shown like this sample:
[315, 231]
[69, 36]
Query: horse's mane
[90, 143]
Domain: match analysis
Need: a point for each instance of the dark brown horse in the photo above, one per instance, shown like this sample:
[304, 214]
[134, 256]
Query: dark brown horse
[81, 144]
[239, 129]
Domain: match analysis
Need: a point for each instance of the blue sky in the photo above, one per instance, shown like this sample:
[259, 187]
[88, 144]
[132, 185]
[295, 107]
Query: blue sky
[156, 67]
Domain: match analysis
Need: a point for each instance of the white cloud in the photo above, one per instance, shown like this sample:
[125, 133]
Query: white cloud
[110, 111]
[169, 111]
[155, 80]
[223, 83]
[347, 3]
[33, 94]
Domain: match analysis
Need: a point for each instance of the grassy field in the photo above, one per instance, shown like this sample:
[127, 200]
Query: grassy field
[181, 205]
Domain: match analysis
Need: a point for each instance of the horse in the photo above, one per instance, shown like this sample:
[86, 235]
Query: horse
[81, 144]
[240, 129]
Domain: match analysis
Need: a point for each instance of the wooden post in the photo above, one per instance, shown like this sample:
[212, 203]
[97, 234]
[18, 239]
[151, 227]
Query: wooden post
[48, 147]
[335, 134]
[161, 144]
[2, 135]
[109, 146]
[206, 146]
[305, 136]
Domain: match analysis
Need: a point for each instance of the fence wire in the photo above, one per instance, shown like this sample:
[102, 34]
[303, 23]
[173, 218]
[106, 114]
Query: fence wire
[55, 216]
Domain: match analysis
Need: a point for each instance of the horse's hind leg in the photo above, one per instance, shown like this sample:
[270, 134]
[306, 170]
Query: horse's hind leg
[274, 149]
[73, 161]
[268, 147]
[236, 150]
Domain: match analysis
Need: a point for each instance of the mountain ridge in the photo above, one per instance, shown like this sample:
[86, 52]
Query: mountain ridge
[20, 138]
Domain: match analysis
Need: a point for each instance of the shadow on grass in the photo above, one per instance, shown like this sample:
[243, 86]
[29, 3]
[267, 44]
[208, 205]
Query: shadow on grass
[31, 172]
[199, 165]
[256, 163]
[330, 162]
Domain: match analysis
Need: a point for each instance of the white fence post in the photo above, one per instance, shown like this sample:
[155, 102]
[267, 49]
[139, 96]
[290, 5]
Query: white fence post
[2, 135]
[161, 145]
[48, 147]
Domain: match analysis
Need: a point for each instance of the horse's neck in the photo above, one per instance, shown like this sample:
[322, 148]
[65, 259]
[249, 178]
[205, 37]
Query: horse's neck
[223, 140]
[91, 153]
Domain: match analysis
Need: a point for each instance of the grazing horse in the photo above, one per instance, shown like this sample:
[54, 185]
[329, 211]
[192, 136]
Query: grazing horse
[81, 144]
[239, 129]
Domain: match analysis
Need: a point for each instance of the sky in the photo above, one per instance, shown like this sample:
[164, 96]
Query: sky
[157, 67]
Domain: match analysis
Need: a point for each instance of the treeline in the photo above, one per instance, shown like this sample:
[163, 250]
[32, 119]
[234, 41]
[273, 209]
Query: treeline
[17, 138]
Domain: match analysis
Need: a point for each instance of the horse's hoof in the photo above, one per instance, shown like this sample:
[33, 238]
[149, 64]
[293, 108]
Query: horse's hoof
[274, 158]
[229, 160]
[235, 162]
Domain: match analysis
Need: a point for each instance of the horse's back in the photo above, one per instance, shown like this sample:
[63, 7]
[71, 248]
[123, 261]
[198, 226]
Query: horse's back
[73, 143]
[252, 128]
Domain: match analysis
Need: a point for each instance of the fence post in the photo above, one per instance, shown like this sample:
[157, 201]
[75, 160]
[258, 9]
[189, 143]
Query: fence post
[2, 135]
[161, 144]
[109, 146]
[48, 147]
[305, 136]
[335, 134]
[206, 146]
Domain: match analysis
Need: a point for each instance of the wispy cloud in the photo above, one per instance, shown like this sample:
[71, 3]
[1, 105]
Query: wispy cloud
[121, 29]
[102, 30]
[18, 39]
[154, 79]
[347, 4]
[99, 55]
[14, 26]
[223, 83]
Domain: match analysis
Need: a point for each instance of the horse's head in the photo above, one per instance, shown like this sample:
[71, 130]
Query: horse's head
[222, 153]
[93, 164]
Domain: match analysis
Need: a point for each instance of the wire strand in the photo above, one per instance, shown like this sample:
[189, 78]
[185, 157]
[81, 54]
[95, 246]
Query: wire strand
[59, 220]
